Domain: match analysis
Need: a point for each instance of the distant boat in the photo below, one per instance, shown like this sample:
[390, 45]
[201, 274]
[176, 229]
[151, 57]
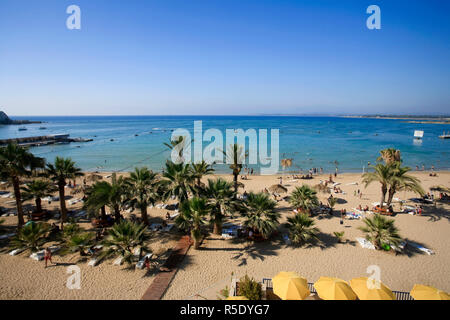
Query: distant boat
[418, 134]
[42, 128]
[23, 129]
[445, 136]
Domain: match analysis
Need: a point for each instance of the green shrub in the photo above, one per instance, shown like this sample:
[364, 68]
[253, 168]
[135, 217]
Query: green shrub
[250, 288]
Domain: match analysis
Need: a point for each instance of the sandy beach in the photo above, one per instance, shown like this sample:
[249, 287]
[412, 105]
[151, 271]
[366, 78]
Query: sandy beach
[205, 272]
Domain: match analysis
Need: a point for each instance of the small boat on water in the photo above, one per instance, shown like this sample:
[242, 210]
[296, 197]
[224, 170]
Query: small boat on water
[23, 129]
[42, 128]
[418, 134]
[445, 135]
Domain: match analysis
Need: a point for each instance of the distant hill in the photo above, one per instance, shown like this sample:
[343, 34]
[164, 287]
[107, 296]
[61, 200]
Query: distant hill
[4, 119]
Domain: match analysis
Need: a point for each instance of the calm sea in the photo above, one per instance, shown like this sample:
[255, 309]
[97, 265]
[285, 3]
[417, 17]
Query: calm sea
[309, 141]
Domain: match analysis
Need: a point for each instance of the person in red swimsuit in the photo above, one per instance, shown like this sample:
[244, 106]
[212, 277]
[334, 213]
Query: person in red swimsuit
[47, 256]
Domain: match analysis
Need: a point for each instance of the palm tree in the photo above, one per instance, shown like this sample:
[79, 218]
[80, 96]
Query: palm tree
[389, 156]
[302, 229]
[31, 237]
[260, 214]
[221, 197]
[400, 180]
[179, 143]
[382, 174]
[381, 231]
[201, 169]
[332, 202]
[59, 172]
[192, 217]
[103, 194]
[17, 162]
[79, 242]
[179, 180]
[123, 238]
[144, 189]
[97, 198]
[235, 155]
[37, 190]
[304, 198]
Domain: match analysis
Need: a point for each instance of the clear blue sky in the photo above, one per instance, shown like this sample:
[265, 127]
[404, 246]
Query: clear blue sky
[224, 57]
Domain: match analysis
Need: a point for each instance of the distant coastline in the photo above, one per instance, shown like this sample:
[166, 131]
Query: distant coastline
[410, 118]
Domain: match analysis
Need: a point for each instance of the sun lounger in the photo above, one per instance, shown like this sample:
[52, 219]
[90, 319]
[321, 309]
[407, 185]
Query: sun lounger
[118, 261]
[15, 252]
[156, 226]
[93, 262]
[80, 214]
[168, 227]
[7, 236]
[38, 256]
[365, 244]
[421, 248]
[352, 184]
[141, 263]
[173, 216]
[6, 195]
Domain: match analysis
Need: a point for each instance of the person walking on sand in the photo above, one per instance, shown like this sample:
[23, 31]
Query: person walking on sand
[147, 263]
[47, 256]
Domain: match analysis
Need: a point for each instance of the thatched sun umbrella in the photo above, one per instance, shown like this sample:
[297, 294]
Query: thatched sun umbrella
[286, 163]
[94, 177]
[278, 188]
[440, 189]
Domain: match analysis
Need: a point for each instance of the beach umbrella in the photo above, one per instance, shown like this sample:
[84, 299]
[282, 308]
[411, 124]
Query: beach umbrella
[329, 288]
[440, 189]
[421, 292]
[290, 286]
[94, 177]
[237, 298]
[278, 188]
[364, 291]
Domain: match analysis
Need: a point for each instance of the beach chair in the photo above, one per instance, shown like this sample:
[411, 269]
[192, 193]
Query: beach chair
[7, 236]
[365, 244]
[168, 227]
[421, 248]
[118, 261]
[15, 252]
[38, 256]
[173, 216]
[93, 262]
[141, 263]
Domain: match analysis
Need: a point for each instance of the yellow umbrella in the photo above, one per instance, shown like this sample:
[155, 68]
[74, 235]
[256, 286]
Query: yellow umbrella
[364, 291]
[421, 292]
[290, 286]
[329, 288]
[237, 298]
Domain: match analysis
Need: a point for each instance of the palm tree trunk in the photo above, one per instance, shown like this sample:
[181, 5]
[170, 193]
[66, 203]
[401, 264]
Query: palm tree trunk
[217, 227]
[235, 180]
[383, 195]
[390, 196]
[17, 195]
[117, 213]
[62, 203]
[103, 213]
[144, 215]
[38, 205]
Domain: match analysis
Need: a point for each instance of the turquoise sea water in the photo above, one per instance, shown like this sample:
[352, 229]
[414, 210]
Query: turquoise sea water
[310, 141]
